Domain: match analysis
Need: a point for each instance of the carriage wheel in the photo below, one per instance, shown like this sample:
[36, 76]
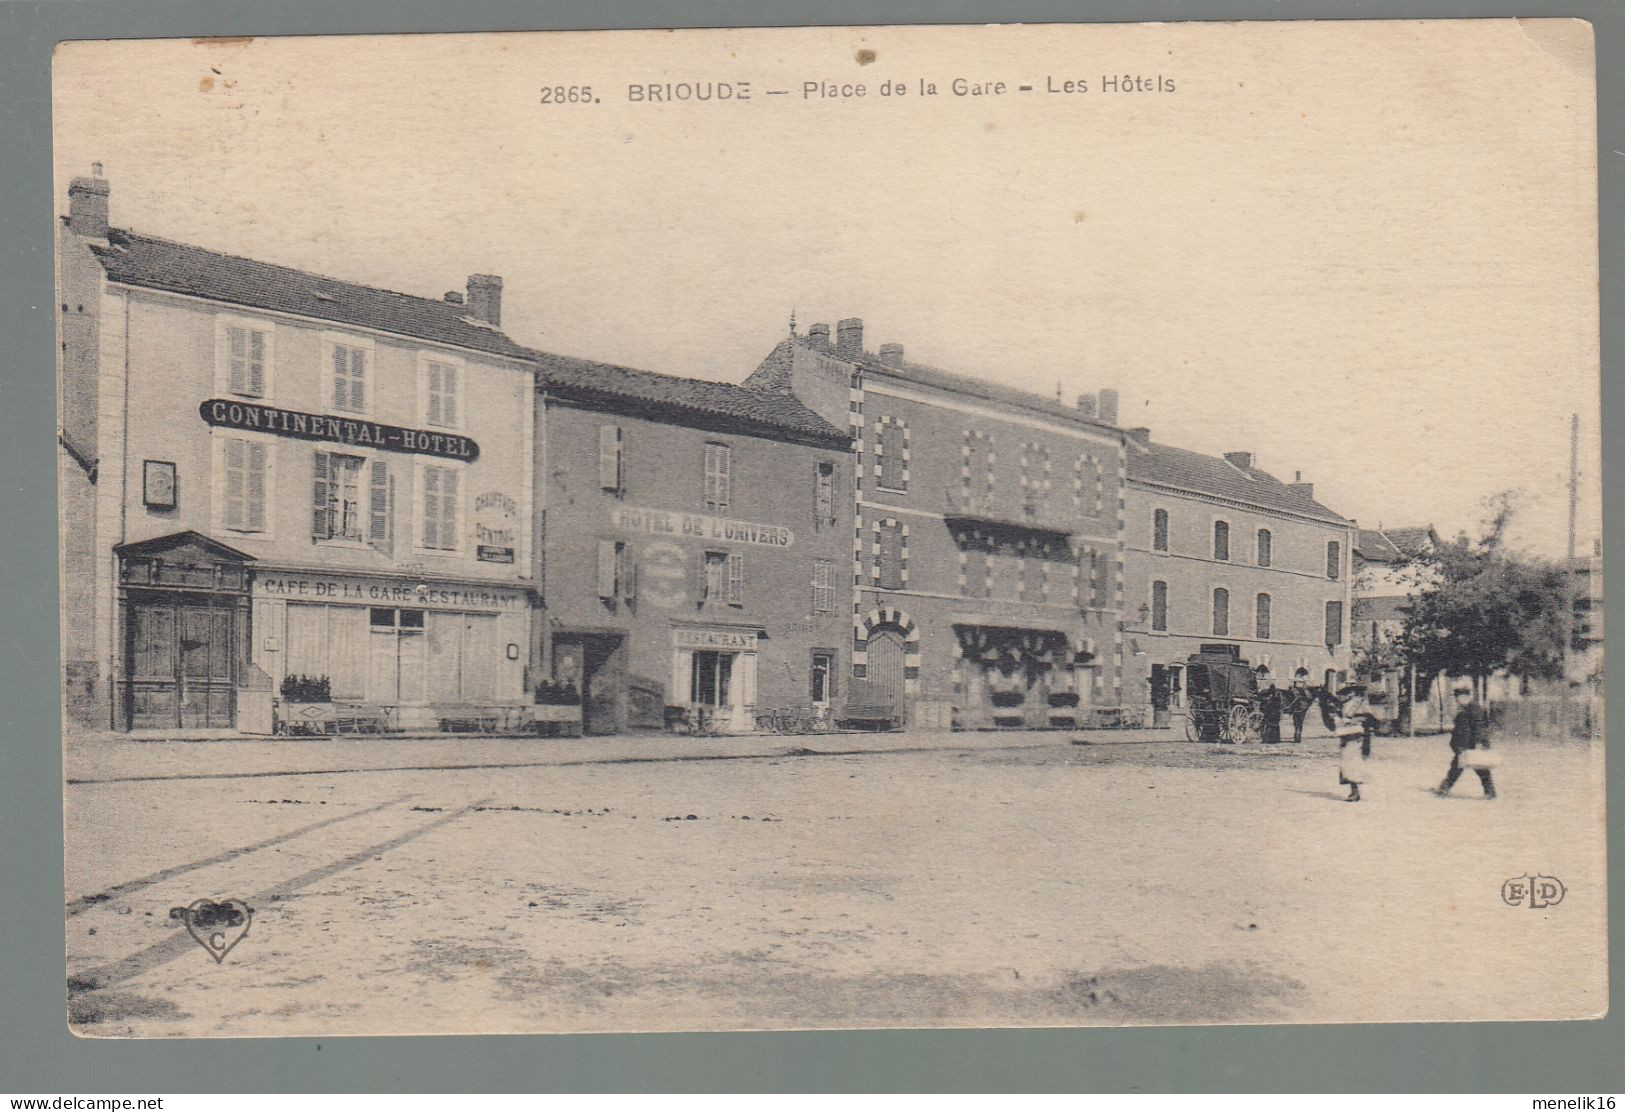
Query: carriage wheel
[1242, 727]
[1193, 730]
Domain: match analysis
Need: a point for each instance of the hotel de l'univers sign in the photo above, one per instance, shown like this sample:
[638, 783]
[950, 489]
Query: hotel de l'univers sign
[354, 431]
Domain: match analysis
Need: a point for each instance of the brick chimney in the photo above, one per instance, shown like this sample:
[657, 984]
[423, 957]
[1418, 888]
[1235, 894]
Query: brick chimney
[849, 338]
[1139, 433]
[1243, 460]
[1108, 406]
[891, 354]
[485, 298]
[818, 337]
[87, 204]
[1298, 486]
[1086, 405]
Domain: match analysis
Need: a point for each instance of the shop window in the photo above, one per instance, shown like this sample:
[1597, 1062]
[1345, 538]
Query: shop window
[1334, 624]
[1221, 540]
[1265, 548]
[1261, 619]
[823, 587]
[611, 458]
[1159, 605]
[711, 678]
[822, 687]
[440, 508]
[247, 359]
[442, 394]
[245, 468]
[1221, 612]
[824, 495]
[718, 477]
[1159, 531]
[1334, 560]
[337, 513]
[349, 378]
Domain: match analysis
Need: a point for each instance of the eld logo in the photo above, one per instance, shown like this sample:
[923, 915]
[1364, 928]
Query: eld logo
[1534, 891]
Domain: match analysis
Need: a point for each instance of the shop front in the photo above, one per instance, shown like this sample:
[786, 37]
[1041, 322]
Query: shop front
[714, 672]
[421, 651]
[1018, 678]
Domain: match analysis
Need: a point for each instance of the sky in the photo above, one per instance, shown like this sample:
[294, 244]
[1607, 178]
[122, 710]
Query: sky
[1365, 252]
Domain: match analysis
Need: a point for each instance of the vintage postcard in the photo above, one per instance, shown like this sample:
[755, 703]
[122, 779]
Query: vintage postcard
[831, 528]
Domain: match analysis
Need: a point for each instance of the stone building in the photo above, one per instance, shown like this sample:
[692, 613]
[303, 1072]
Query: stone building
[985, 556]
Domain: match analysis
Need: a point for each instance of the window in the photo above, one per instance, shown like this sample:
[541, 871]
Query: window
[1334, 560]
[724, 577]
[1159, 606]
[350, 391]
[1265, 548]
[1221, 540]
[611, 458]
[245, 360]
[442, 393]
[823, 585]
[891, 557]
[440, 505]
[336, 497]
[1159, 531]
[1334, 624]
[1094, 571]
[615, 572]
[718, 477]
[824, 495]
[891, 454]
[823, 676]
[245, 465]
[1221, 612]
[1261, 620]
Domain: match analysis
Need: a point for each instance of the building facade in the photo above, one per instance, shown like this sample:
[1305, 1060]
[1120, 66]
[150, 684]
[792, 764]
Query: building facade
[693, 542]
[1220, 552]
[267, 473]
[985, 557]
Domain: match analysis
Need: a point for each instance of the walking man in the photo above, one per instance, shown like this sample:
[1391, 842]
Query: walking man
[1298, 702]
[1270, 699]
[1468, 737]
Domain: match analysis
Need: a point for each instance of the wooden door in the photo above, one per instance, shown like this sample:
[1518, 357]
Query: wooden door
[206, 672]
[885, 670]
[181, 665]
[154, 666]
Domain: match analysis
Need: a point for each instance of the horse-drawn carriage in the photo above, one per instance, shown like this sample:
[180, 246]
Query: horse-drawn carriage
[1223, 695]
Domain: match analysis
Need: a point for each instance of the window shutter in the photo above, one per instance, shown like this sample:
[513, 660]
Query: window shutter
[236, 451]
[254, 500]
[736, 578]
[724, 477]
[321, 510]
[431, 507]
[606, 569]
[433, 415]
[1334, 561]
[256, 363]
[609, 457]
[629, 574]
[358, 378]
[448, 389]
[378, 506]
[341, 378]
[237, 352]
[448, 508]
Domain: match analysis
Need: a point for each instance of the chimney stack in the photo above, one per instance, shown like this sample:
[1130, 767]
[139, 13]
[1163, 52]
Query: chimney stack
[1086, 405]
[485, 298]
[1108, 406]
[818, 337]
[87, 204]
[1140, 433]
[849, 338]
[891, 354]
[454, 297]
[1298, 486]
[1243, 460]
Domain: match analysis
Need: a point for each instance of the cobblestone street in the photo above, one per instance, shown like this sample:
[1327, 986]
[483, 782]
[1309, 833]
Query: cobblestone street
[458, 885]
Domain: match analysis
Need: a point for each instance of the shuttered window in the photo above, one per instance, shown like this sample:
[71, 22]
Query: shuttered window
[714, 574]
[608, 568]
[350, 378]
[1159, 531]
[891, 557]
[443, 386]
[1261, 620]
[1221, 540]
[440, 508]
[245, 355]
[1266, 548]
[1334, 560]
[824, 495]
[1334, 624]
[1221, 612]
[380, 503]
[1159, 605]
[611, 469]
[245, 462]
[336, 497]
[736, 579]
[890, 438]
[718, 477]
[823, 585]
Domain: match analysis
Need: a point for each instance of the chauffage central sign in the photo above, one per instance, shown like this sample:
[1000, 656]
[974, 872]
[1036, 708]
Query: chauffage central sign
[355, 431]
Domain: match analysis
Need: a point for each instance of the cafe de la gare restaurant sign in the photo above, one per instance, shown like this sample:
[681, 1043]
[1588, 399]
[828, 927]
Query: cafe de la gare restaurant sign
[359, 433]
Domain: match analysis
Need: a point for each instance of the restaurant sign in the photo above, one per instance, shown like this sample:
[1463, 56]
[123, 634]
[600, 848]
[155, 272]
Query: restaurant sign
[666, 523]
[731, 640]
[366, 591]
[355, 431]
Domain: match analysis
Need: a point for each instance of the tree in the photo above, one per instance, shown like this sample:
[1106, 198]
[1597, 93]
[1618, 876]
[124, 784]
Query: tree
[1479, 608]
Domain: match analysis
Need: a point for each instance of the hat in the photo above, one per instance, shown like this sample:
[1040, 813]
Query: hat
[1301, 673]
[1462, 689]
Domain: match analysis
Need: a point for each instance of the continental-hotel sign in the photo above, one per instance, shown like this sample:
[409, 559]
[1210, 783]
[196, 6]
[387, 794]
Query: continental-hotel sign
[665, 523]
[355, 431]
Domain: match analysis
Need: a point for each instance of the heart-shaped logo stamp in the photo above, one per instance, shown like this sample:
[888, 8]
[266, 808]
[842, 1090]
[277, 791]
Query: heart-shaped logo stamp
[216, 925]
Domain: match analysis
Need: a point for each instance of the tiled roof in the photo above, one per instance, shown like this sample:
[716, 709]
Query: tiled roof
[979, 388]
[1375, 547]
[1193, 471]
[625, 389]
[1412, 540]
[162, 264]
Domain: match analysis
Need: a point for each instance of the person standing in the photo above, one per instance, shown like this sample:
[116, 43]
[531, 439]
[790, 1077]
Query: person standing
[1270, 699]
[1298, 702]
[1469, 743]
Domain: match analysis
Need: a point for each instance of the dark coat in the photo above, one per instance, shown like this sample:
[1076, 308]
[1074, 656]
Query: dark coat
[1471, 729]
